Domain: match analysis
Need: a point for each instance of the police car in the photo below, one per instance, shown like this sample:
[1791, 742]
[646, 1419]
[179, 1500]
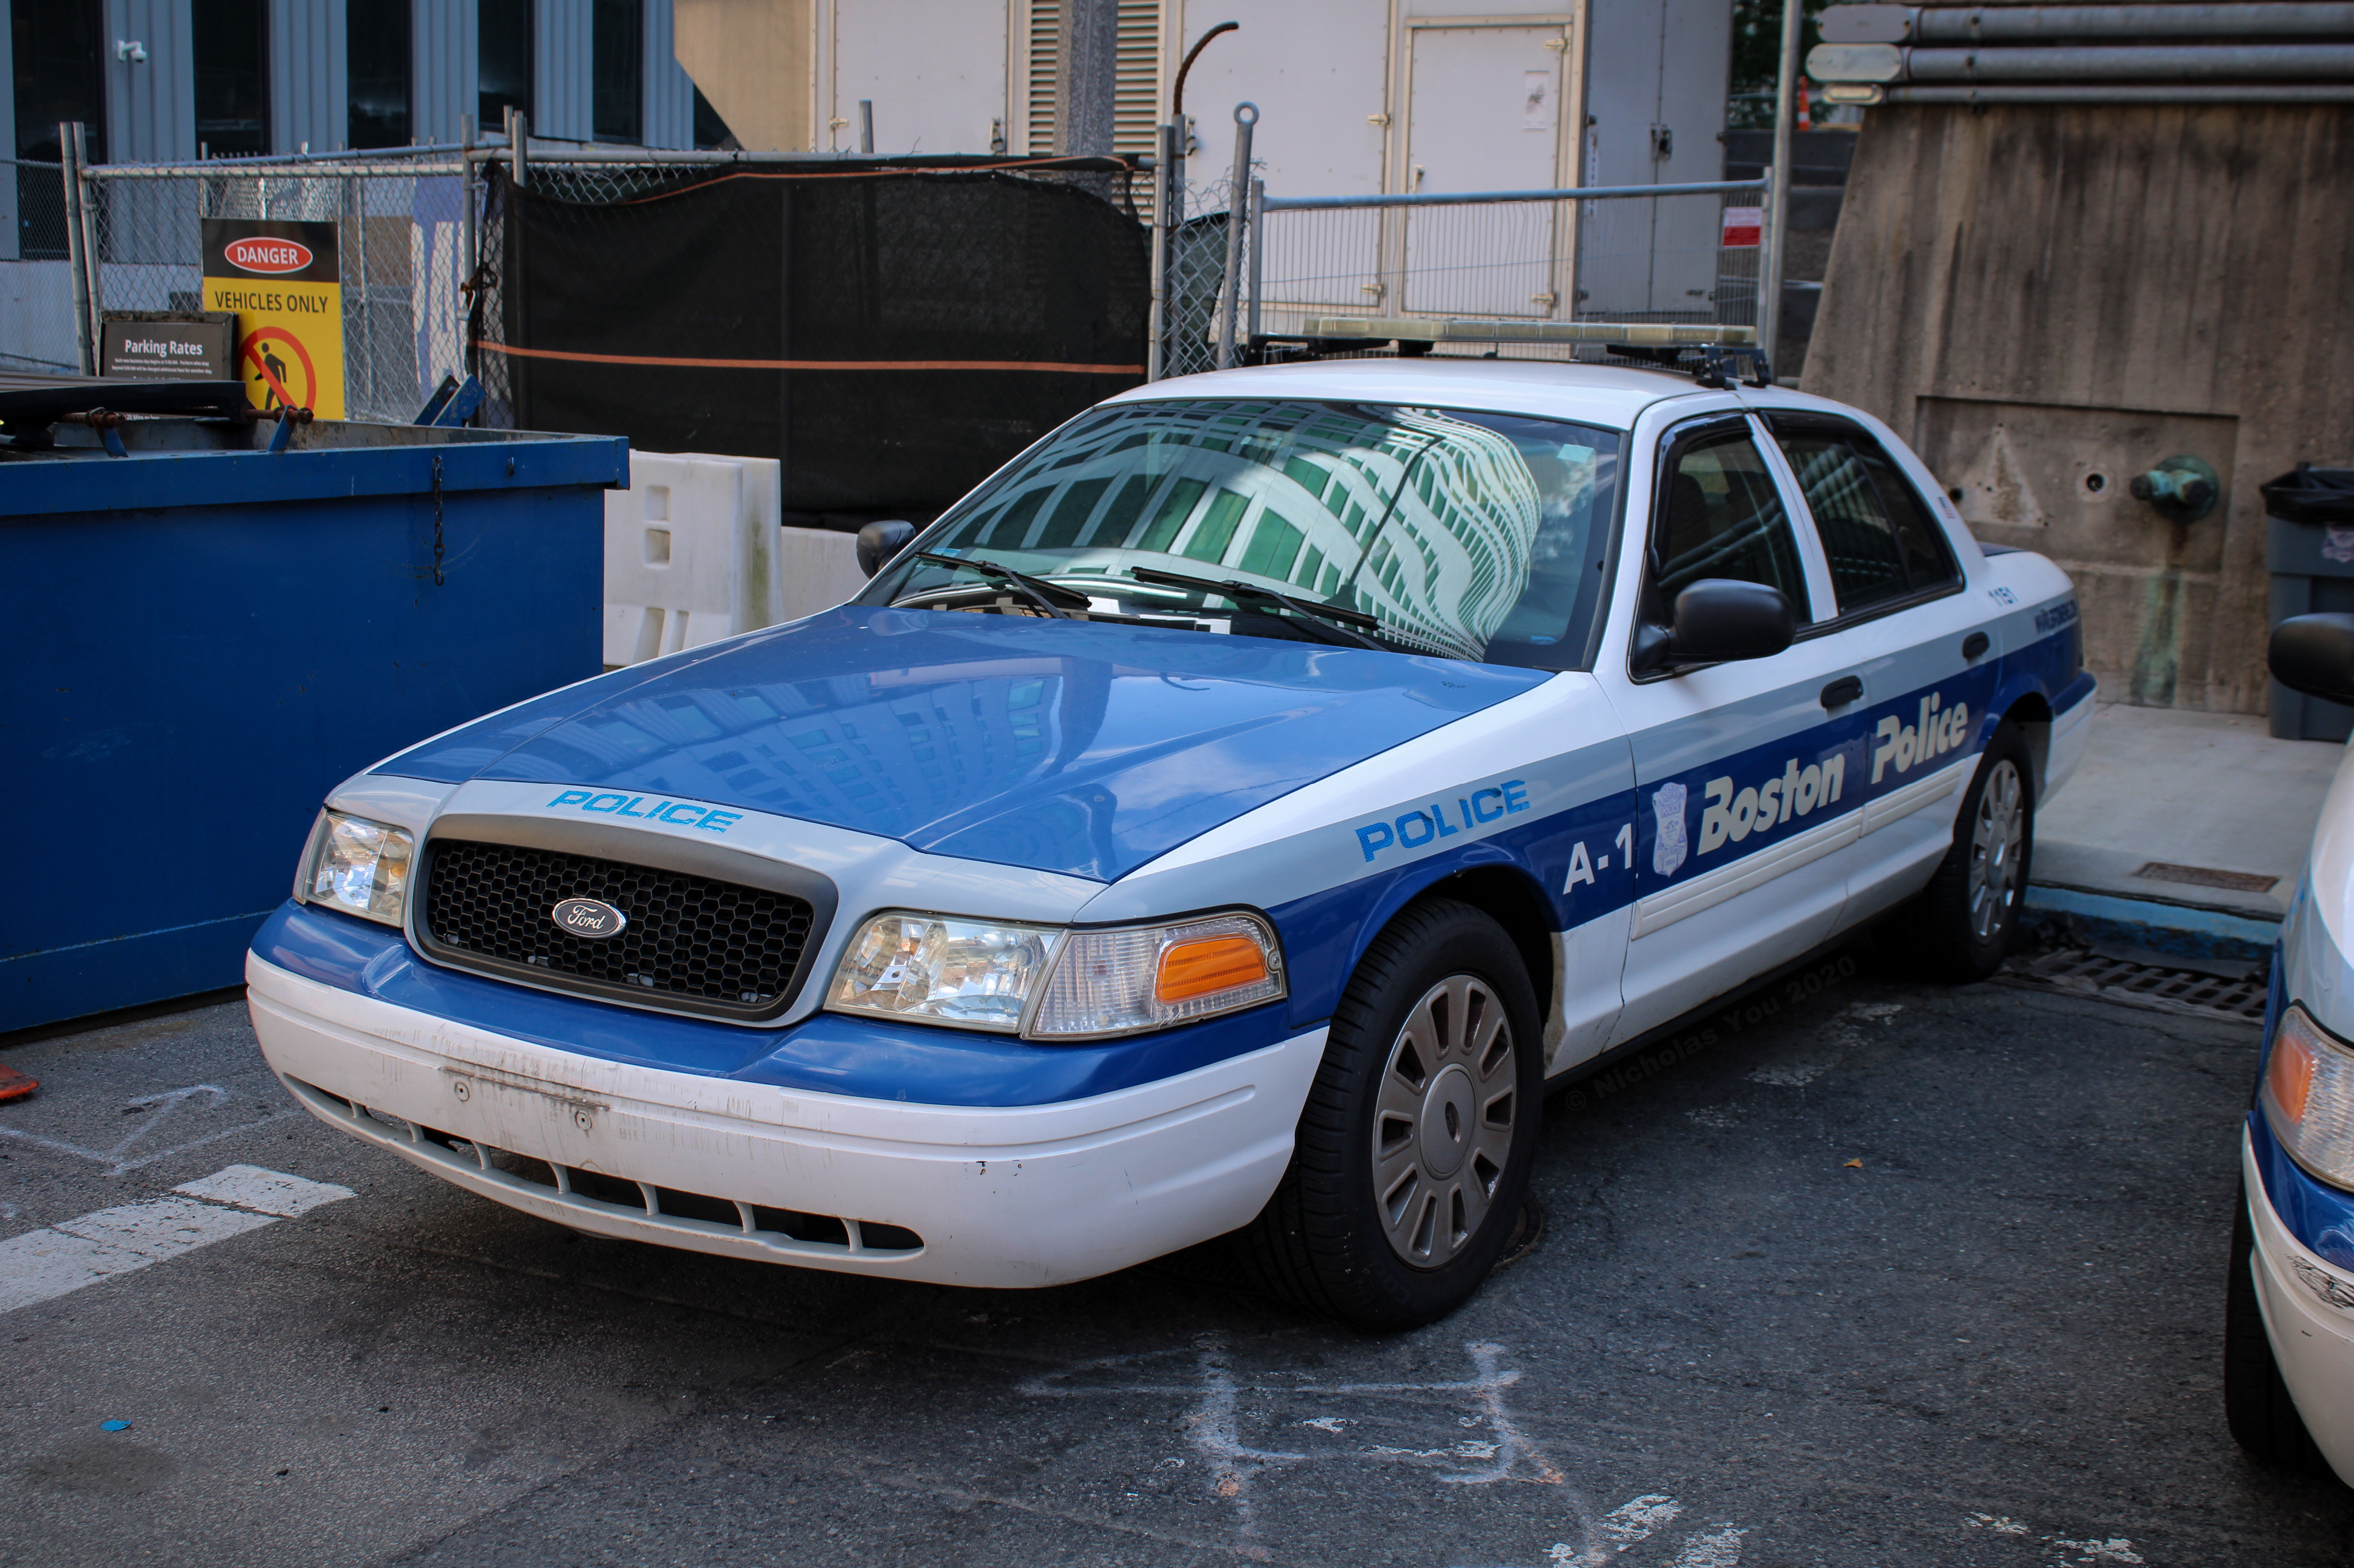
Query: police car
[1232, 816]
[2288, 1321]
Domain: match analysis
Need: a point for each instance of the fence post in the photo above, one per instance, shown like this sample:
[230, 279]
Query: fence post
[84, 215]
[70, 173]
[1770, 267]
[469, 247]
[1164, 174]
[1257, 251]
[1237, 218]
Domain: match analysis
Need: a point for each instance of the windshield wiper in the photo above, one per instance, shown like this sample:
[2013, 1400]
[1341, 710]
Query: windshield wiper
[1051, 598]
[1234, 588]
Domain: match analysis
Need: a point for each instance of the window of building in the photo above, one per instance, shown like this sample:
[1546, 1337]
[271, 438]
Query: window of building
[618, 65]
[503, 35]
[377, 39]
[60, 76]
[231, 41]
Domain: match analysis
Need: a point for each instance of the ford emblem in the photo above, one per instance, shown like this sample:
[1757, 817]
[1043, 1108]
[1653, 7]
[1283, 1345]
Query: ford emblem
[589, 918]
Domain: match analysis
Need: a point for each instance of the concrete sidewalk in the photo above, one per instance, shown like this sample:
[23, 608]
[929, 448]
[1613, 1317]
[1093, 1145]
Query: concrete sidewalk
[2191, 825]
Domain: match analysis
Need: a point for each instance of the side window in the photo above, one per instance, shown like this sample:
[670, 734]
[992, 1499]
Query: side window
[1719, 516]
[1880, 541]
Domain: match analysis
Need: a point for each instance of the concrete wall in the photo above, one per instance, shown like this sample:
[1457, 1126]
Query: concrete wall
[2048, 299]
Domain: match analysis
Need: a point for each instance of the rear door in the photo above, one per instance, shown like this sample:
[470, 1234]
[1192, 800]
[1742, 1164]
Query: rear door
[1746, 780]
[1924, 648]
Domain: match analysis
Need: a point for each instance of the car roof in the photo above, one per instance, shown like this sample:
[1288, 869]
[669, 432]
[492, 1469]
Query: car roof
[1609, 396]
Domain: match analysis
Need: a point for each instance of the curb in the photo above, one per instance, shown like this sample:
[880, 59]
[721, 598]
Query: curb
[2159, 927]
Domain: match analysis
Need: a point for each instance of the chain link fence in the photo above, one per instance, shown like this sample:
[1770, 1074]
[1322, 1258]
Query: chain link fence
[37, 319]
[400, 226]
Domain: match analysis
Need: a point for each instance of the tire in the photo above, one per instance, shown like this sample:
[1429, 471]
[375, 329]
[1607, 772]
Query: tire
[1413, 1149]
[2264, 1419]
[1962, 925]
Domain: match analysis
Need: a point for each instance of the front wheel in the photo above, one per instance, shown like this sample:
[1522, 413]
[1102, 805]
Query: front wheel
[1413, 1152]
[2258, 1408]
[1961, 926]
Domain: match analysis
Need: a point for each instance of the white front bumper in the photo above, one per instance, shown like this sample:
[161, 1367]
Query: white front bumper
[1017, 1196]
[2313, 1339]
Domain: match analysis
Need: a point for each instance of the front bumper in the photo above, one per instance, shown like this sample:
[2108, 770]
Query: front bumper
[1001, 1196]
[2309, 1310]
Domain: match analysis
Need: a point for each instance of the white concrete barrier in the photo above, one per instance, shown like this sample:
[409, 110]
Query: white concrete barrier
[691, 552]
[819, 568]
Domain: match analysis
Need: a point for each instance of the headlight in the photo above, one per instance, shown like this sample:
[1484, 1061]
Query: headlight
[1048, 984]
[976, 973]
[358, 866]
[1121, 982]
[2308, 1096]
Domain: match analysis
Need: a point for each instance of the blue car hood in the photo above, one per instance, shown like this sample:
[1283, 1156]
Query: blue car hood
[1079, 746]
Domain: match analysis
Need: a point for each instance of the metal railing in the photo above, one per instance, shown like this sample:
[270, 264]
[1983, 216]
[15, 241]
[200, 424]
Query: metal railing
[1628, 253]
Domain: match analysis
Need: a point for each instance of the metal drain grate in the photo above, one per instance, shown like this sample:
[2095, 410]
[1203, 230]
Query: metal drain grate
[2165, 989]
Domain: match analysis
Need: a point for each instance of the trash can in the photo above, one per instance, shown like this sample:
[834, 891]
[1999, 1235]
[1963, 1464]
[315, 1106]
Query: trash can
[204, 634]
[2309, 550]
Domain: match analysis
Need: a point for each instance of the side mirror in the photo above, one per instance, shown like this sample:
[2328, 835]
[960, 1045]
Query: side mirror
[878, 542]
[1717, 620]
[2315, 654]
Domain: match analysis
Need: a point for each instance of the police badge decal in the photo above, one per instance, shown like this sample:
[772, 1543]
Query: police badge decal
[1668, 849]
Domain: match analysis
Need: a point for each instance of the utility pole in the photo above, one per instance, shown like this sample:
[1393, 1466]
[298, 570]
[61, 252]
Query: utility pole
[1777, 194]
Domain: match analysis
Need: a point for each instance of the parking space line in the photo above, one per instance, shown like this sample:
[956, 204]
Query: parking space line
[42, 1264]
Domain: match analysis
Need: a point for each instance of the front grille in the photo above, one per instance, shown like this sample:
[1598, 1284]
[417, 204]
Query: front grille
[717, 945]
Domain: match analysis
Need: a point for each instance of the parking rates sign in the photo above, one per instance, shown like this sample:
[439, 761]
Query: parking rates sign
[284, 281]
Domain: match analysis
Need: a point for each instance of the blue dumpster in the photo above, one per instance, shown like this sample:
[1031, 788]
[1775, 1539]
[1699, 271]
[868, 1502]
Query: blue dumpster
[203, 634]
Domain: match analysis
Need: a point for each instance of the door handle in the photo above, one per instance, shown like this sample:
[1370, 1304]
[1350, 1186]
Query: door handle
[1974, 645]
[1843, 691]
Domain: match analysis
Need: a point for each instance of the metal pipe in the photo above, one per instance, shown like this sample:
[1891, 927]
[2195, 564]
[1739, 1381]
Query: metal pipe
[1769, 271]
[2323, 93]
[469, 241]
[1868, 23]
[70, 168]
[1237, 219]
[1475, 199]
[2150, 62]
[866, 126]
[1257, 250]
[1162, 176]
[519, 144]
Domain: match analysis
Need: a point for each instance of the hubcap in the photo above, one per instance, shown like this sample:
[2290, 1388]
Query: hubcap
[1443, 1120]
[1996, 837]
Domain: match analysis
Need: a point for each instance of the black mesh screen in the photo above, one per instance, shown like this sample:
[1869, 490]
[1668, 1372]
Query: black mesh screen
[718, 943]
[706, 312]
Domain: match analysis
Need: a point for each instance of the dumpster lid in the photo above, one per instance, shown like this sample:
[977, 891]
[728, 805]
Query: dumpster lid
[34, 402]
[2311, 494]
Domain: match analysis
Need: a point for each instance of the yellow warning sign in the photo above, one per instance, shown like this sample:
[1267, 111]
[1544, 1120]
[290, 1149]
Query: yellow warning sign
[284, 281]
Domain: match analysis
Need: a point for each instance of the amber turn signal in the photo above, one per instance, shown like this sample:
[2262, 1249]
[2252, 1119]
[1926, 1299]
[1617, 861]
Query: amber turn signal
[1207, 966]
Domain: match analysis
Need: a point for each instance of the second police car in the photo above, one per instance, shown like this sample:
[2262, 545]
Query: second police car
[1229, 817]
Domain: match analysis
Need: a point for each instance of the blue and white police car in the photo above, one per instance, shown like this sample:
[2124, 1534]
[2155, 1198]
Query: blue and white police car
[2288, 1321]
[1230, 817]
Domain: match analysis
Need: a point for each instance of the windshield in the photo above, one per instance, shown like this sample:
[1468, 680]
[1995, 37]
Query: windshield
[1471, 536]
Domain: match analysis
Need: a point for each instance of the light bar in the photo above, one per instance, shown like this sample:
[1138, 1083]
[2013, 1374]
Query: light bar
[1639, 335]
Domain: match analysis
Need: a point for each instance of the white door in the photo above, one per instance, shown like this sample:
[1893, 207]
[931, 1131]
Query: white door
[1483, 115]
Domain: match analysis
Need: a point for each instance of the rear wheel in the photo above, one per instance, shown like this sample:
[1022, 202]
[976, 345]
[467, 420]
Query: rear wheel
[1413, 1154]
[1962, 925]
[2264, 1419]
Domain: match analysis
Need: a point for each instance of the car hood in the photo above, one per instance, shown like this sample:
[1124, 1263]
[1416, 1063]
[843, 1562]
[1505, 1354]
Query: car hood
[1085, 748]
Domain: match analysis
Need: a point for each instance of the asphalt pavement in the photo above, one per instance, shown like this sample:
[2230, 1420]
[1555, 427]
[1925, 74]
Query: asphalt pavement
[1865, 1274]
